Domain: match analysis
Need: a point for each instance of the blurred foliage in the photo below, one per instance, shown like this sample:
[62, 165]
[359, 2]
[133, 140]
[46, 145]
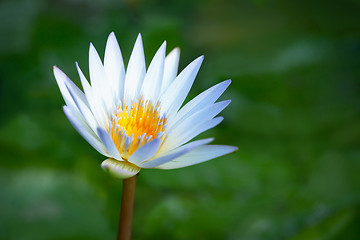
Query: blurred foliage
[295, 116]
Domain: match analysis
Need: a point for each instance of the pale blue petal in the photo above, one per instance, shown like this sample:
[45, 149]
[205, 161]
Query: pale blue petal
[85, 131]
[95, 102]
[159, 160]
[190, 124]
[109, 143]
[145, 152]
[175, 95]
[199, 155]
[83, 108]
[201, 101]
[192, 133]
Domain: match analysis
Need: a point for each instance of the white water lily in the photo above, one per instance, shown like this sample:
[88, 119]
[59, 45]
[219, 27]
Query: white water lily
[135, 118]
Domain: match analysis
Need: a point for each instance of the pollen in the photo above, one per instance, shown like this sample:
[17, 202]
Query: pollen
[133, 125]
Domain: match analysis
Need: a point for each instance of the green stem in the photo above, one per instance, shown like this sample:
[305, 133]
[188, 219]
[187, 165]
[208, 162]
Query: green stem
[126, 210]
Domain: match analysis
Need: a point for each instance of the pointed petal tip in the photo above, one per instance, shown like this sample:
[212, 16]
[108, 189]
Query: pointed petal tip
[92, 48]
[220, 119]
[139, 38]
[59, 75]
[234, 149]
[111, 38]
[138, 46]
[55, 68]
[224, 85]
[120, 169]
[223, 104]
[229, 149]
[227, 102]
[195, 64]
[198, 61]
[209, 140]
[162, 48]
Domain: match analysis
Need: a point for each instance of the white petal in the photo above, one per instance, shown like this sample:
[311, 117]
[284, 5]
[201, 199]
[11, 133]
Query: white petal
[95, 102]
[135, 71]
[114, 67]
[85, 131]
[79, 120]
[84, 82]
[170, 68]
[153, 78]
[98, 78]
[201, 101]
[198, 155]
[191, 123]
[109, 144]
[200, 117]
[96, 69]
[61, 79]
[161, 159]
[120, 169]
[83, 108]
[175, 95]
[145, 152]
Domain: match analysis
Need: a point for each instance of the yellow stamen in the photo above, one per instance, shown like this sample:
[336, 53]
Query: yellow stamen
[131, 126]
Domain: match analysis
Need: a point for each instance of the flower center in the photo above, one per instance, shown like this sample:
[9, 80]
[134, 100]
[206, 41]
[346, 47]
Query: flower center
[133, 125]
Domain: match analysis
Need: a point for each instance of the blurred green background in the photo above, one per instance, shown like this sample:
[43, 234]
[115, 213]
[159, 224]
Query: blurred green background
[295, 116]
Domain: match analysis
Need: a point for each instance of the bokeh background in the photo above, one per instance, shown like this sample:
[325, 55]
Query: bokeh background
[295, 117]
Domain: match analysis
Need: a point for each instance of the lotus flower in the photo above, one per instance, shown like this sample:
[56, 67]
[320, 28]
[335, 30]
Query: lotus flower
[134, 116]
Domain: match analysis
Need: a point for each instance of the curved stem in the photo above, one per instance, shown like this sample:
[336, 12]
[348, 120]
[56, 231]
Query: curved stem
[127, 206]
